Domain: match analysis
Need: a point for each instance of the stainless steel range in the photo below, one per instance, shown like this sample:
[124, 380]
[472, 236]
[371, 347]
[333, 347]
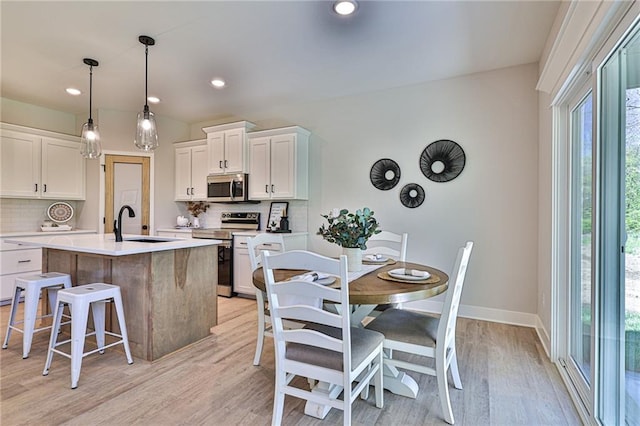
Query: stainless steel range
[229, 223]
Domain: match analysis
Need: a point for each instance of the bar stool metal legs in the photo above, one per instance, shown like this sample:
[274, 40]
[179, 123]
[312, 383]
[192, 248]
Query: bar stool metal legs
[32, 286]
[79, 299]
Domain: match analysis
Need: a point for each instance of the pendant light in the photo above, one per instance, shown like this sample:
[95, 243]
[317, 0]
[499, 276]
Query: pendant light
[90, 142]
[146, 132]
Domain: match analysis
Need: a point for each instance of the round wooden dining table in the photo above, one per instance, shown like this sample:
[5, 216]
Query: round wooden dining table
[370, 289]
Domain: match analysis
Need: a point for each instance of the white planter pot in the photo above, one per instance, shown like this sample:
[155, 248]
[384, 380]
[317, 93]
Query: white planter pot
[196, 222]
[354, 258]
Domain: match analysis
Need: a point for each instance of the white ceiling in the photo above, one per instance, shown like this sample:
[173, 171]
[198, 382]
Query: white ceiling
[269, 52]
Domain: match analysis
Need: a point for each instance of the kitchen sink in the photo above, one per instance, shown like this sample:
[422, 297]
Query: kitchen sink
[149, 240]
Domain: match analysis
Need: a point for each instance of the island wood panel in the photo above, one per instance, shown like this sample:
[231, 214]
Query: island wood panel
[169, 297]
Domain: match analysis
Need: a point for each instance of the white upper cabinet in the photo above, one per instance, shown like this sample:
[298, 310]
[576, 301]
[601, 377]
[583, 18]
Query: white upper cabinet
[191, 170]
[227, 147]
[40, 164]
[278, 164]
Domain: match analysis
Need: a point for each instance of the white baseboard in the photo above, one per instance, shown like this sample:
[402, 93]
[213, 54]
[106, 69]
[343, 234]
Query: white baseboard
[490, 314]
[543, 336]
[480, 313]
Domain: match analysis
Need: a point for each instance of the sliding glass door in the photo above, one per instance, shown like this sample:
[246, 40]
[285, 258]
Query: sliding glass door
[619, 236]
[602, 309]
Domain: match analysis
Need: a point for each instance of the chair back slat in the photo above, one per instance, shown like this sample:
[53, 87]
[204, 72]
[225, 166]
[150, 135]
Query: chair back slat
[261, 242]
[300, 312]
[313, 338]
[389, 244]
[307, 289]
[447, 324]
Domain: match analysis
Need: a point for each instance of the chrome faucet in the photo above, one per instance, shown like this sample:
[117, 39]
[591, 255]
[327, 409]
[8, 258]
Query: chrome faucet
[117, 224]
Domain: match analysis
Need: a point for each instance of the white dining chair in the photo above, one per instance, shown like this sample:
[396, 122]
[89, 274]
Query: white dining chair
[389, 244]
[327, 349]
[420, 334]
[392, 245]
[256, 245]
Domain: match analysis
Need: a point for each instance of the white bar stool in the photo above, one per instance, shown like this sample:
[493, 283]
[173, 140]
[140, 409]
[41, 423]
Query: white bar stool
[32, 285]
[79, 299]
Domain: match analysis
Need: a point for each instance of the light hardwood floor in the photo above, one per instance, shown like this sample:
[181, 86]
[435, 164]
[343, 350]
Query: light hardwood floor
[506, 376]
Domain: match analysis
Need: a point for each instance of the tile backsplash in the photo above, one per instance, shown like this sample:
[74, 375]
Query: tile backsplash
[20, 215]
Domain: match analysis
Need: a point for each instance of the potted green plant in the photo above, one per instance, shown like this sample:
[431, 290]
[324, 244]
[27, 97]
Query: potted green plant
[351, 231]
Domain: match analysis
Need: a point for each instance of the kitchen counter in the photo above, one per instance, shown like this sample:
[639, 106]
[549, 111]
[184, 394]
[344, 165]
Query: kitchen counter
[105, 244]
[168, 289]
[38, 233]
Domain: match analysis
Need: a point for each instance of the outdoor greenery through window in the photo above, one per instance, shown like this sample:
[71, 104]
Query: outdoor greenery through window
[632, 255]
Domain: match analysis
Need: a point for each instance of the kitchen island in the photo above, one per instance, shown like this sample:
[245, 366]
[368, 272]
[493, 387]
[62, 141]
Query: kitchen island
[168, 285]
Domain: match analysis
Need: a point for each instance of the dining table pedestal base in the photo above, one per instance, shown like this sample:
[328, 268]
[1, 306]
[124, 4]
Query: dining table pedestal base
[395, 381]
[399, 382]
[320, 411]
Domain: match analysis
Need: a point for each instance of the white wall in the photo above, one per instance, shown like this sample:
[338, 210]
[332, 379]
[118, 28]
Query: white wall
[37, 117]
[493, 116]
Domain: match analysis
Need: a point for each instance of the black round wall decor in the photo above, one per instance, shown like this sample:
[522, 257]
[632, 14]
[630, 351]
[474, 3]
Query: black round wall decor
[385, 174]
[442, 160]
[412, 195]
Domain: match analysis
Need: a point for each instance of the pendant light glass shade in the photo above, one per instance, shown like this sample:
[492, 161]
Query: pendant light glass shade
[90, 146]
[146, 130]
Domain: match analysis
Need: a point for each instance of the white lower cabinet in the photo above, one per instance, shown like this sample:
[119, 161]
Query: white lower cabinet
[178, 233]
[242, 273]
[16, 261]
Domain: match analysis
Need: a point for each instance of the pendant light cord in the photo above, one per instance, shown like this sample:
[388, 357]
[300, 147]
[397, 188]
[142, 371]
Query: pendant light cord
[146, 76]
[90, 90]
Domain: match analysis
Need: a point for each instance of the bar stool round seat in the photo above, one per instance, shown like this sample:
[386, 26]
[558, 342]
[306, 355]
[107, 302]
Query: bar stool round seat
[32, 286]
[79, 299]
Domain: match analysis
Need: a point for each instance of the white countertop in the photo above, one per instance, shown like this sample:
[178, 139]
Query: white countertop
[105, 243]
[37, 233]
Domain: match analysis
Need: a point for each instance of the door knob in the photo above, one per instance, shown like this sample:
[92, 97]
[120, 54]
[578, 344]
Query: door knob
[145, 227]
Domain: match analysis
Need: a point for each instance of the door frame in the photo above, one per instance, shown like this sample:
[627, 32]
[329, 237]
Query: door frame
[103, 187]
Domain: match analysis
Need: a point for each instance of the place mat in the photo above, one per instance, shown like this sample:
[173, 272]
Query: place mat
[369, 262]
[431, 280]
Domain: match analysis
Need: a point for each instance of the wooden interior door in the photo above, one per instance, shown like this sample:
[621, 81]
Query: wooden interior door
[111, 170]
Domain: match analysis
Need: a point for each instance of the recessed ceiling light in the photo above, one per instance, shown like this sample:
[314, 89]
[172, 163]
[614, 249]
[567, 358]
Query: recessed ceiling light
[73, 91]
[153, 99]
[345, 7]
[218, 83]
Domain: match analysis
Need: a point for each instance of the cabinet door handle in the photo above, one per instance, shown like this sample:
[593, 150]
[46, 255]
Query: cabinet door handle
[192, 190]
[24, 261]
[36, 188]
[272, 188]
[225, 164]
[187, 190]
[266, 189]
[221, 164]
[45, 187]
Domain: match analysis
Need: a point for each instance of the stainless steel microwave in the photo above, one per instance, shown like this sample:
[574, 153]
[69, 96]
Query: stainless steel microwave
[228, 188]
